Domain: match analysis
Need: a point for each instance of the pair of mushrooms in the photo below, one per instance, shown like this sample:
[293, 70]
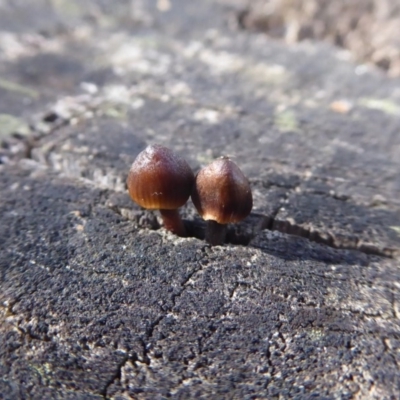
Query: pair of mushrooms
[159, 179]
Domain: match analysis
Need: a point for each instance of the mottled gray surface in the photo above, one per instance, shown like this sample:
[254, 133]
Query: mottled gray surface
[98, 301]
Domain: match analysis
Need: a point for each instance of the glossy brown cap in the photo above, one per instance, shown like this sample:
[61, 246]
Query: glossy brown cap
[222, 193]
[159, 179]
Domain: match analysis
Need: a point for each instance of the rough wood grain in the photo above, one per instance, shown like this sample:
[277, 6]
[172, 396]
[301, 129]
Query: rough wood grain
[98, 301]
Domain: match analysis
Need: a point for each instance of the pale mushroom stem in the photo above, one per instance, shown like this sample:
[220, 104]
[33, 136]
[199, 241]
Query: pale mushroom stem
[173, 222]
[215, 233]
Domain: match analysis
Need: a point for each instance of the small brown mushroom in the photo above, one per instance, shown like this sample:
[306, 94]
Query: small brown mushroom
[221, 195]
[159, 179]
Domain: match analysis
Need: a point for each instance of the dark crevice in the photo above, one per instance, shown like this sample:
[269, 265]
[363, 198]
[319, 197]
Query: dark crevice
[134, 358]
[23, 144]
[327, 239]
[33, 336]
[243, 233]
[50, 117]
[114, 377]
[232, 292]
[150, 331]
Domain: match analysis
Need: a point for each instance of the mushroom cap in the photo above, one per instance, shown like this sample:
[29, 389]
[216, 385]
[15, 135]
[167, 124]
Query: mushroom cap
[159, 179]
[222, 193]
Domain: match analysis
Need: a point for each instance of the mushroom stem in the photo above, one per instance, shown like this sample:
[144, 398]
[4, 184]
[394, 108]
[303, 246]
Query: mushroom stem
[215, 233]
[173, 222]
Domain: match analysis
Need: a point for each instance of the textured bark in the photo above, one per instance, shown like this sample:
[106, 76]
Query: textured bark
[98, 301]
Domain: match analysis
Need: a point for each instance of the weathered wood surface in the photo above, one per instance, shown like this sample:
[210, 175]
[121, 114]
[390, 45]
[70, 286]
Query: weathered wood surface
[96, 301]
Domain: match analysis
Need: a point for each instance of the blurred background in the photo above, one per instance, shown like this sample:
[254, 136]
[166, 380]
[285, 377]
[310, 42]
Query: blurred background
[369, 29]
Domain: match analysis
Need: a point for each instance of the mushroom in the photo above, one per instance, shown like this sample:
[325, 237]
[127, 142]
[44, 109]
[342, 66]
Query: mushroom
[159, 179]
[221, 195]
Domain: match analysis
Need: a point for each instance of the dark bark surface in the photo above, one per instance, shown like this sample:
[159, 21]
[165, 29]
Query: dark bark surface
[98, 301]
